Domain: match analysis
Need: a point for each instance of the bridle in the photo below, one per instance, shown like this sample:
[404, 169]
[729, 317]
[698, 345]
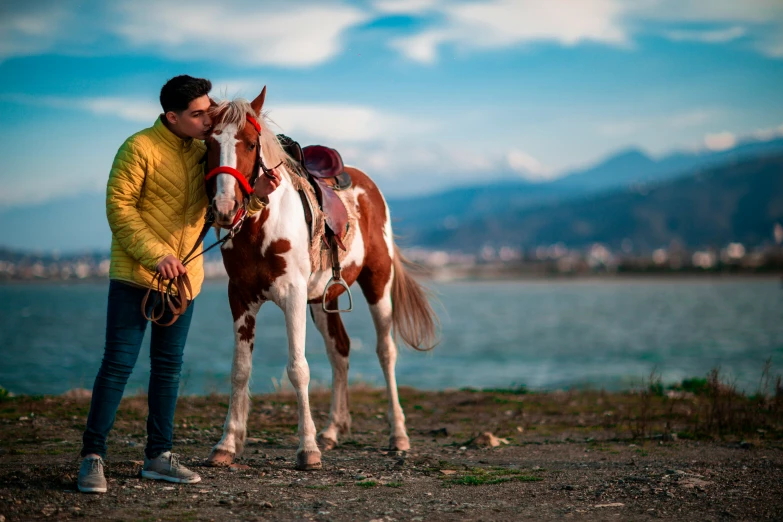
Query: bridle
[165, 297]
[244, 184]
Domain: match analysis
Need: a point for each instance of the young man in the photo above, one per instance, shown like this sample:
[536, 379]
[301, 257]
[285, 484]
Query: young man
[155, 204]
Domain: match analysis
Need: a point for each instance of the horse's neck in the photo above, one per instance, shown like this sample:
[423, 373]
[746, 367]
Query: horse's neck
[286, 215]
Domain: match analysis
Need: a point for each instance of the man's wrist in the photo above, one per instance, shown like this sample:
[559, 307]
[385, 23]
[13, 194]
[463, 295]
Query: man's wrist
[256, 204]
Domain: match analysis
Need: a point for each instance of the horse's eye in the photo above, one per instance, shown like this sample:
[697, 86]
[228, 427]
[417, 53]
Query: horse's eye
[251, 146]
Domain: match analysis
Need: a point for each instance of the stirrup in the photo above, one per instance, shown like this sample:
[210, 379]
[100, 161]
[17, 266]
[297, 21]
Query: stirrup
[331, 283]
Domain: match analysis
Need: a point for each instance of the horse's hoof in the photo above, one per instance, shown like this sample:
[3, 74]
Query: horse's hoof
[399, 443]
[220, 458]
[325, 443]
[308, 460]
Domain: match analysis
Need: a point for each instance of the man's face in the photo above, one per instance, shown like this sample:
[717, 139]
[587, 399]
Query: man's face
[193, 122]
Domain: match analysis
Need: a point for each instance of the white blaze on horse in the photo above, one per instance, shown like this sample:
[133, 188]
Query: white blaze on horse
[271, 259]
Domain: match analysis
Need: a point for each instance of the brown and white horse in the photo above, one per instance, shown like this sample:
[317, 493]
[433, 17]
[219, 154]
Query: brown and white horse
[269, 260]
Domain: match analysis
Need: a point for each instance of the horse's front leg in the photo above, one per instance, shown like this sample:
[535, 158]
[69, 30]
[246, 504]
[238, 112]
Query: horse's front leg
[244, 312]
[308, 456]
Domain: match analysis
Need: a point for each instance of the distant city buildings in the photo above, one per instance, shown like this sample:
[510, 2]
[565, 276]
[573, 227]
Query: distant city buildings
[490, 261]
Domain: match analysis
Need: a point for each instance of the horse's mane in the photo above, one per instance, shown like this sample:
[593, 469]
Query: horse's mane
[235, 112]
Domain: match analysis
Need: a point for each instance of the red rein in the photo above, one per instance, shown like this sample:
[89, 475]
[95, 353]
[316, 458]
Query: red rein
[231, 171]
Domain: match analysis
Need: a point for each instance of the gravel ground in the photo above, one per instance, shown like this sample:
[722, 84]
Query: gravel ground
[559, 457]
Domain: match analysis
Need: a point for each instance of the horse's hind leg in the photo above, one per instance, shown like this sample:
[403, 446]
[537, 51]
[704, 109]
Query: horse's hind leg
[337, 347]
[376, 287]
[235, 428]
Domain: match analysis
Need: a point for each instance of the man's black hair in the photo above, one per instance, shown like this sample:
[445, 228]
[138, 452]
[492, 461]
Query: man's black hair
[179, 91]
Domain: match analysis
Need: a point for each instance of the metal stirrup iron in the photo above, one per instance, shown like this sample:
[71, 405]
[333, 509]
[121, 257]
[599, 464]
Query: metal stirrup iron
[337, 279]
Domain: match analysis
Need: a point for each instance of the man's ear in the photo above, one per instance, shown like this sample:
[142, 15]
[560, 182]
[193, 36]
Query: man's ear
[172, 118]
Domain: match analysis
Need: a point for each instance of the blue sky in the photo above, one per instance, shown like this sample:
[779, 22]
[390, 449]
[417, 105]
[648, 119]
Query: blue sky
[419, 93]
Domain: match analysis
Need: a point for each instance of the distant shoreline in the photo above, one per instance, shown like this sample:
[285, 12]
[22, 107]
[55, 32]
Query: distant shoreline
[525, 278]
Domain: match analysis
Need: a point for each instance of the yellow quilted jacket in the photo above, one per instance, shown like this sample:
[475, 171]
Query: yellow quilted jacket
[156, 204]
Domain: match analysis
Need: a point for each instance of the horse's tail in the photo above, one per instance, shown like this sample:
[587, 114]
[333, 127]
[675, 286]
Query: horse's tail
[413, 318]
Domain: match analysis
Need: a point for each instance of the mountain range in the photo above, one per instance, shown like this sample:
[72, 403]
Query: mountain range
[698, 198]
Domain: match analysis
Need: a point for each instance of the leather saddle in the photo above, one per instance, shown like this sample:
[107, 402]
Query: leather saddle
[323, 167]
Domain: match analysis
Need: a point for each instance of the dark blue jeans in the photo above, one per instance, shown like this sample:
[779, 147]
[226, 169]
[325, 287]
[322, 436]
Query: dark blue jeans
[125, 327]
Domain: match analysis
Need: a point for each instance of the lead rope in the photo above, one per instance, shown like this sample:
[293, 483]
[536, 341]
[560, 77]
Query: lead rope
[165, 297]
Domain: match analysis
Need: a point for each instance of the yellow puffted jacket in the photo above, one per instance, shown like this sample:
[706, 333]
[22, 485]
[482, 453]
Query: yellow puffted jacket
[156, 204]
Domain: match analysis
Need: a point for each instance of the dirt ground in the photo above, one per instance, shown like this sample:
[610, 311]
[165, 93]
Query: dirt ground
[561, 456]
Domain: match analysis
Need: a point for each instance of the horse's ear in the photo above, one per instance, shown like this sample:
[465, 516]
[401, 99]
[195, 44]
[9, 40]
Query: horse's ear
[258, 103]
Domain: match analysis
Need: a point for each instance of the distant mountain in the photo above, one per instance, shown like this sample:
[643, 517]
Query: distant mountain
[740, 201]
[633, 166]
[69, 224]
[78, 223]
[449, 209]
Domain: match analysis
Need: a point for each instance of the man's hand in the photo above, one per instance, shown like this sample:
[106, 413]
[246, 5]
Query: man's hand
[171, 267]
[267, 183]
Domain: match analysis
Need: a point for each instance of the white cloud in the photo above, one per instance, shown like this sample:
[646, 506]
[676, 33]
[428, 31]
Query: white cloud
[527, 166]
[720, 141]
[405, 6]
[768, 134]
[502, 23]
[258, 33]
[707, 36]
[28, 33]
[692, 118]
[345, 123]
[506, 23]
[422, 47]
[245, 33]
[129, 109]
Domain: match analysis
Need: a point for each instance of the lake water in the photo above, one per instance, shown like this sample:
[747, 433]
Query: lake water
[544, 335]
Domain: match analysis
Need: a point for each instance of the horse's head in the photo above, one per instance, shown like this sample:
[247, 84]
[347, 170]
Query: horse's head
[237, 153]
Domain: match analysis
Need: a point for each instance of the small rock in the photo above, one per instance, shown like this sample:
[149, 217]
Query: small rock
[448, 471]
[485, 440]
[238, 467]
[440, 432]
[169, 488]
[359, 477]
[691, 483]
[745, 445]
[613, 504]
[267, 504]
[78, 393]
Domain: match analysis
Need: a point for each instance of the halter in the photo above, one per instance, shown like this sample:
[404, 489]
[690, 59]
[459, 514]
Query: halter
[244, 184]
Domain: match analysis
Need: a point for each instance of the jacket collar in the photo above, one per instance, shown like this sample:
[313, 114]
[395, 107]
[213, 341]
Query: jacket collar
[169, 137]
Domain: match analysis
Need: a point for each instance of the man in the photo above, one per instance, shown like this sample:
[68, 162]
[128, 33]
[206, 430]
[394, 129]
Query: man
[155, 204]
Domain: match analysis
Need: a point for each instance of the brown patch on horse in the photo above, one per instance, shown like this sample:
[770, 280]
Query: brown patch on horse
[413, 318]
[248, 330]
[337, 331]
[250, 272]
[377, 264]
